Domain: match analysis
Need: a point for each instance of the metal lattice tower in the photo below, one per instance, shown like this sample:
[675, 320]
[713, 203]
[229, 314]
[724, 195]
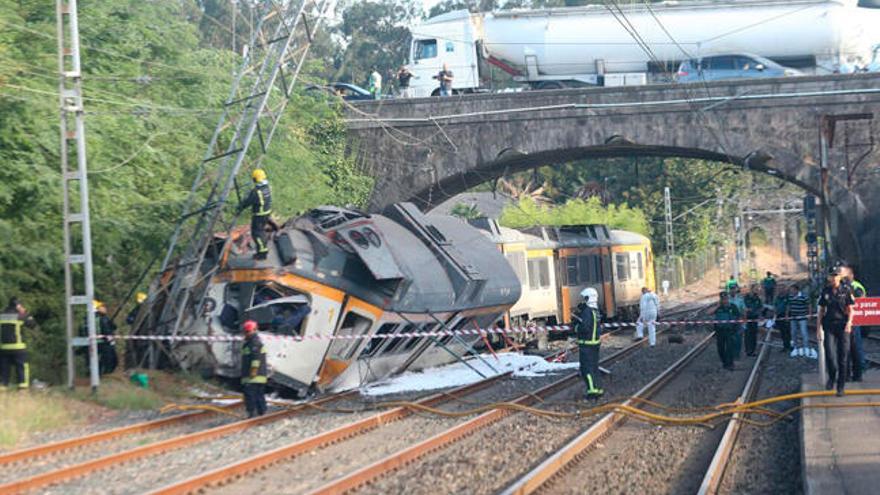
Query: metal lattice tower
[670, 238]
[78, 250]
[260, 92]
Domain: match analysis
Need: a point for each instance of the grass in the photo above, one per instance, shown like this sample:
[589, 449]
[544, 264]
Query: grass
[25, 413]
[117, 393]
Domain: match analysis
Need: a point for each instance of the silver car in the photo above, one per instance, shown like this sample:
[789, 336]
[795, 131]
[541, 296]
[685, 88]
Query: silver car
[735, 66]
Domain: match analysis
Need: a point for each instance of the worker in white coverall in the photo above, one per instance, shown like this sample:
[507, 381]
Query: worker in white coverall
[649, 308]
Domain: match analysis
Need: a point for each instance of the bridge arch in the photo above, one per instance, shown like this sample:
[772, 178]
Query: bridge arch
[427, 150]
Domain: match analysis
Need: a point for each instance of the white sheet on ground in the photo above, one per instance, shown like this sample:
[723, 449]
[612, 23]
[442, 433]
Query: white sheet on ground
[458, 374]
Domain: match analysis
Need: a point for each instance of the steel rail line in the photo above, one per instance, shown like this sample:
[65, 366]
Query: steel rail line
[715, 472]
[84, 468]
[551, 466]
[314, 442]
[401, 458]
[37, 451]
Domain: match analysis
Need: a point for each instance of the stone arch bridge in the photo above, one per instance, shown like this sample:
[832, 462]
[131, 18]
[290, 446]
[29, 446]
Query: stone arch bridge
[427, 150]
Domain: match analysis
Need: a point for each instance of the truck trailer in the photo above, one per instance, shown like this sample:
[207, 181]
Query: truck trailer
[597, 44]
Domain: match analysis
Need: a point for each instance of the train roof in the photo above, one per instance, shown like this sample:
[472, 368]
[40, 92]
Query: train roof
[589, 235]
[403, 261]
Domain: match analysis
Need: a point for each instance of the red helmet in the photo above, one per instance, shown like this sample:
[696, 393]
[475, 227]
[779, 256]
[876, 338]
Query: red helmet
[249, 326]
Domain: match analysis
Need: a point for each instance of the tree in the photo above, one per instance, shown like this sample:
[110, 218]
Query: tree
[466, 212]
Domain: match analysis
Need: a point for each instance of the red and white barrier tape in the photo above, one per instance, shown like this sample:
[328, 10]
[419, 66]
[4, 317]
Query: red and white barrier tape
[439, 333]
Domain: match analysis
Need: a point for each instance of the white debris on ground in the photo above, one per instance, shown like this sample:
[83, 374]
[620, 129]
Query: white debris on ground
[458, 374]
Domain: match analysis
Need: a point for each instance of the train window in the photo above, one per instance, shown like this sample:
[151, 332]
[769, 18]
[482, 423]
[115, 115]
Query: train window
[377, 341]
[584, 270]
[458, 326]
[597, 268]
[571, 271]
[517, 260]
[640, 267]
[353, 324]
[539, 273]
[622, 262]
[397, 339]
[413, 341]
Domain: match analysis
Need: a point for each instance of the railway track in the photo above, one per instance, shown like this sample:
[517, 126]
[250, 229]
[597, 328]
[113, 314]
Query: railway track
[569, 468]
[53, 464]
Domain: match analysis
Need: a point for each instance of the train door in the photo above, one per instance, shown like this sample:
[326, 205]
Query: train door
[358, 319]
[609, 281]
[542, 283]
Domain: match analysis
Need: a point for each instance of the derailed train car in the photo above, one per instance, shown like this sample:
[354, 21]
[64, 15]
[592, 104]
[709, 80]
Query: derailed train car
[344, 273]
[554, 264]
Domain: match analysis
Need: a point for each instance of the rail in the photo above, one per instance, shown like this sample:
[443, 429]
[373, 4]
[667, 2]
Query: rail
[715, 472]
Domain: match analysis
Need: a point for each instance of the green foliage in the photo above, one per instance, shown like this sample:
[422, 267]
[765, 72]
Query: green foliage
[527, 213]
[154, 88]
[466, 212]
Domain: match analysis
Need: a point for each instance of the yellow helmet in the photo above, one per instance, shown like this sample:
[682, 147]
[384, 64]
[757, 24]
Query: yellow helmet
[259, 175]
[140, 297]
[99, 306]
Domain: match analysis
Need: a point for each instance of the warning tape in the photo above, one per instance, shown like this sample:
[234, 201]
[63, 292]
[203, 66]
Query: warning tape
[438, 333]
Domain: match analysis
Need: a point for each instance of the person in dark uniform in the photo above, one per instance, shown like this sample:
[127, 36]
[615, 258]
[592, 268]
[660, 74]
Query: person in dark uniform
[769, 284]
[726, 328]
[834, 328]
[856, 361]
[753, 312]
[13, 349]
[107, 359]
[259, 199]
[589, 331]
[254, 372]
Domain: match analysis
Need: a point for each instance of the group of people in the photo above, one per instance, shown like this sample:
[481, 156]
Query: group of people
[403, 75]
[789, 314]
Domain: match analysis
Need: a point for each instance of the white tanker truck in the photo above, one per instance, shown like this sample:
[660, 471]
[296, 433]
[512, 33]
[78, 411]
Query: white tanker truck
[555, 48]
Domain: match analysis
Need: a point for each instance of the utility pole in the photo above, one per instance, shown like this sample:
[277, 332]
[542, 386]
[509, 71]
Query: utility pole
[670, 238]
[75, 189]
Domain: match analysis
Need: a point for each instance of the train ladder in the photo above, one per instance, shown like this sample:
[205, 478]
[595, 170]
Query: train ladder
[75, 187]
[261, 89]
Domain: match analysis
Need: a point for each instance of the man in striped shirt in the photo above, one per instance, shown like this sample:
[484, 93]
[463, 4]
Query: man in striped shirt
[798, 310]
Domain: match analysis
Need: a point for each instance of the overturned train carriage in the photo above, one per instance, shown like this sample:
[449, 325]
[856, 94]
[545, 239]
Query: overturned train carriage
[340, 272]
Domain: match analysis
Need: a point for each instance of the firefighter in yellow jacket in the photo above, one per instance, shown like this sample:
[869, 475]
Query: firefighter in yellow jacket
[13, 349]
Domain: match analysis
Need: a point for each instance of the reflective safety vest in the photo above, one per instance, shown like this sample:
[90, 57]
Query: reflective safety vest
[588, 330]
[10, 332]
[857, 286]
[253, 355]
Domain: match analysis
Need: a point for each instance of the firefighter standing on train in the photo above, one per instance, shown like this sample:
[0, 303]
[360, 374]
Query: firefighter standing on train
[260, 202]
[13, 349]
[589, 330]
[254, 371]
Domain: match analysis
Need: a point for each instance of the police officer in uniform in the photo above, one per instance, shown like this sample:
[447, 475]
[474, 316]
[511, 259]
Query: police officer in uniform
[835, 326]
[726, 329]
[589, 330]
[260, 202]
[254, 373]
[13, 349]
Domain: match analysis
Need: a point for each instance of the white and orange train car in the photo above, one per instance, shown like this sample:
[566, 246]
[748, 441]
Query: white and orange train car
[343, 298]
[554, 264]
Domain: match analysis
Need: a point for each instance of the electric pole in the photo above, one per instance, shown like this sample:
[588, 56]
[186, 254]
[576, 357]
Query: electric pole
[670, 239]
[75, 187]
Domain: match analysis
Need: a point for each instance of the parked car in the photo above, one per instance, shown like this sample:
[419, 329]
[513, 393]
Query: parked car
[346, 91]
[733, 66]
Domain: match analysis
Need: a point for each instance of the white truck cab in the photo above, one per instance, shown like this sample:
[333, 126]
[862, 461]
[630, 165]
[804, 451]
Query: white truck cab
[449, 39]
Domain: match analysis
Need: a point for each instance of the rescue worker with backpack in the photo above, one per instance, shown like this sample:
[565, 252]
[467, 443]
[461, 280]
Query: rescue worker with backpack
[13, 349]
[254, 370]
[589, 331]
[259, 199]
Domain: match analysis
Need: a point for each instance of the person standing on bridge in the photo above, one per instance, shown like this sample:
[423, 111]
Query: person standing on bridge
[589, 330]
[375, 85]
[254, 370]
[649, 309]
[260, 201]
[726, 329]
[445, 78]
[769, 284]
[403, 78]
[835, 326]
